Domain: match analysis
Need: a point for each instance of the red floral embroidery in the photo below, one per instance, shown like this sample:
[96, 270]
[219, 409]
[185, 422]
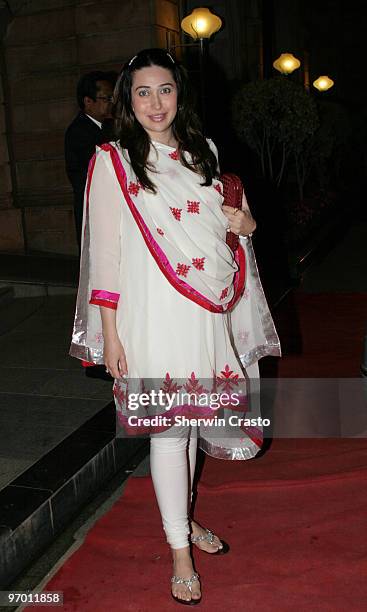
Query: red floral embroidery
[224, 293]
[227, 379]
[169, 386]
[193, 207]
[133, 188]
[218, 187]
[173, 155]
[160, 231]
[182, 269]
[176, 213]
[119, 394]
[193, 385]
[198, 262]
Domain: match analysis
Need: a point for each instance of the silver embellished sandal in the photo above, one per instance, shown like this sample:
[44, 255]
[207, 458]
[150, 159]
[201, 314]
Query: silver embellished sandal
[187, 582]
[209, 537]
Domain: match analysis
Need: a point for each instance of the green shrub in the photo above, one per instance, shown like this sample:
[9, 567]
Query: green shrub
[277, 118]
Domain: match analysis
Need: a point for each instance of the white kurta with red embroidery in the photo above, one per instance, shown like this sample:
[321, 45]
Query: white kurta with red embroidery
[167, 336]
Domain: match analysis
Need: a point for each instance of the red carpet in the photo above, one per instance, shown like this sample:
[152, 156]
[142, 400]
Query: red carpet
[322, 334]
[295, 519]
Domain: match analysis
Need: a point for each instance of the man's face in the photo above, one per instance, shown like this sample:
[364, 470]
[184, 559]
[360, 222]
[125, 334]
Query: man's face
[100, 108]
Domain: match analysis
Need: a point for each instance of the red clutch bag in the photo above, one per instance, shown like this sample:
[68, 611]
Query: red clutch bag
[232, 193]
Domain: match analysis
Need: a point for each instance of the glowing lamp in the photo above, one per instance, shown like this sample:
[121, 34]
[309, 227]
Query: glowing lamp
[286, 63]
[323, 83]
[201, 23]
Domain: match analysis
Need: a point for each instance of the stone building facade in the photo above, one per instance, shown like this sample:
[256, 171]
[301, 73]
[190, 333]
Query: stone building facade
[46, 46]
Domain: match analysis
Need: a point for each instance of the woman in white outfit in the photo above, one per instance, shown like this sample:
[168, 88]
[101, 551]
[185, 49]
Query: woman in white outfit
[164, 303]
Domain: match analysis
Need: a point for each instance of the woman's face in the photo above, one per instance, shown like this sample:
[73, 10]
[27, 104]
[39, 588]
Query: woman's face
[154, 101]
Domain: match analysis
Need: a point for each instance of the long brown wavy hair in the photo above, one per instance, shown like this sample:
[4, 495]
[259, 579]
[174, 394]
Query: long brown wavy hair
[186, 126]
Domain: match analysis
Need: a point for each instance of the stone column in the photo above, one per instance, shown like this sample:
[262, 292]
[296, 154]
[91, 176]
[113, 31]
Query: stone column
[11, 234]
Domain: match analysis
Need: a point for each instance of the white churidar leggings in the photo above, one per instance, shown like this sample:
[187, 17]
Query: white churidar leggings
[172, 466]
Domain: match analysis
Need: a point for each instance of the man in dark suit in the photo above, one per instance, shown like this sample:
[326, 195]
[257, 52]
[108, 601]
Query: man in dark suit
[91, 127]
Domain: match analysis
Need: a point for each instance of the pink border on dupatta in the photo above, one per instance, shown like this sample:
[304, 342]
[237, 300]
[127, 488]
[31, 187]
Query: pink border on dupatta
[185, 289]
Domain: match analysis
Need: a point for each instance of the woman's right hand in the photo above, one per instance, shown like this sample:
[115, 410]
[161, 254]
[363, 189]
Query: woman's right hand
[114, 357]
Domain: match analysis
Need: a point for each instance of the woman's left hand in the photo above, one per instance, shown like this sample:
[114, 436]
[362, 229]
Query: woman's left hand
[240, 222]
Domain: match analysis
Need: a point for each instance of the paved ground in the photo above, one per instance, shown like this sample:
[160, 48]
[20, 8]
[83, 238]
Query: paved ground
[44, 393]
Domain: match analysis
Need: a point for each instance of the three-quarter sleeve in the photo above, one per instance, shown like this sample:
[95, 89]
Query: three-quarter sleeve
[104, 215]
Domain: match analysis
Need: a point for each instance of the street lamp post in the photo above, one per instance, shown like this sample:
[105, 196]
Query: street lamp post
[200, 25]
[286, 63]
[323, 83]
